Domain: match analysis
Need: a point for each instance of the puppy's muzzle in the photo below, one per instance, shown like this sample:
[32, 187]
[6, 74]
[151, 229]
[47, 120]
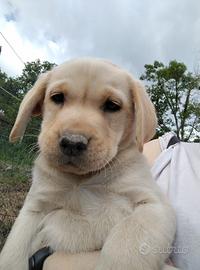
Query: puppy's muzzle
[73, 144]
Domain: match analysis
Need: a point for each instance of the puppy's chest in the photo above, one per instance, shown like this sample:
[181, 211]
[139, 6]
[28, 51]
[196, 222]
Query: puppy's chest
[84, 218]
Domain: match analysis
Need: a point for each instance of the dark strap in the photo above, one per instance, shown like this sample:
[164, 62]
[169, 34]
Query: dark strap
[37, 260]
[173, 141]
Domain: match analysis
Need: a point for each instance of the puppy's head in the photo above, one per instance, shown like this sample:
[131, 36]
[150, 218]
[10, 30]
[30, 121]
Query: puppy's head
[91, 110]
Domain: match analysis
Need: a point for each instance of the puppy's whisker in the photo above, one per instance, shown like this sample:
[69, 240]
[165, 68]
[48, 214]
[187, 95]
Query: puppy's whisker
[107, 164]
[33, 146]
[34, 149]
[31, 135]
[118, 161]
[28, 147]
[36, 129]
[111, 167]
[105, 170]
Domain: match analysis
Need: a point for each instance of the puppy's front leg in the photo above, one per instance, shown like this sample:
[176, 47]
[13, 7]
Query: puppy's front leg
[14, 255]
[141, 241]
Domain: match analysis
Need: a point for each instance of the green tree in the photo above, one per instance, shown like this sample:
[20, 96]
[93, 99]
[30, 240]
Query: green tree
[175, 94]
[9, 100]
[12, 89]
[31, 72]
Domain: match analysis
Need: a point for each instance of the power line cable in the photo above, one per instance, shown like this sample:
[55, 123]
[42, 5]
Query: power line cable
[12, 49]
[9, 93]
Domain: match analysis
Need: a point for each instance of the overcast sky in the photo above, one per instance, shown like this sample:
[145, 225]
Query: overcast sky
[128, 32]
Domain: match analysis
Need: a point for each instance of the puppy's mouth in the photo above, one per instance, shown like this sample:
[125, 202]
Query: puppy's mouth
[77, 165]
[81, 168]
[68, 162]
[78, 158]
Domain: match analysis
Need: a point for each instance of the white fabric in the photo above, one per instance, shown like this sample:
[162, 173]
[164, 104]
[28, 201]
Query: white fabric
[177, 172]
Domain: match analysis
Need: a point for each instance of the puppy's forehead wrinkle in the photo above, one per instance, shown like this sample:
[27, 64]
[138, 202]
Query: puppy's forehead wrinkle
[58, 85]
[89, 81]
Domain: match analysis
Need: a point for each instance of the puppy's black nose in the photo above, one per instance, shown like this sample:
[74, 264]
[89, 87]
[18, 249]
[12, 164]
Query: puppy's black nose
[73, 144]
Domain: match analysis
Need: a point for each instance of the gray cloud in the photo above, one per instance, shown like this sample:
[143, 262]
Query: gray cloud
[129, 32]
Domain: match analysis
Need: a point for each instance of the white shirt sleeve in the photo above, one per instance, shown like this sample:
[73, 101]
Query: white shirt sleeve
[177, 172]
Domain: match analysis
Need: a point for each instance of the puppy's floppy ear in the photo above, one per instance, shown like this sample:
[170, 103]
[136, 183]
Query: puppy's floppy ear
[145, 116]
[31, 105]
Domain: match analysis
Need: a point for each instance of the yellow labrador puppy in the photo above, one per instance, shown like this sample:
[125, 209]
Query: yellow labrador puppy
[92, 189]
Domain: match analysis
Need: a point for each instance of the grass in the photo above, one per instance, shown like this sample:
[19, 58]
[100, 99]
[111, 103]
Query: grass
[19, 153]
[11, 201]
[15, 174]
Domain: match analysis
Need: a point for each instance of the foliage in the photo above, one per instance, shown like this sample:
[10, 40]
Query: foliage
[175, 94]
[12, 91]
[31, 72]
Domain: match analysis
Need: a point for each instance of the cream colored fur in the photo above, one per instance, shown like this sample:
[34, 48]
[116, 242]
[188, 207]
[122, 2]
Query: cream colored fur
[107, 201]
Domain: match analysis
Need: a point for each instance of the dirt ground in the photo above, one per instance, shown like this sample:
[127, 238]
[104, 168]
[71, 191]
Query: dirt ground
[11, 200]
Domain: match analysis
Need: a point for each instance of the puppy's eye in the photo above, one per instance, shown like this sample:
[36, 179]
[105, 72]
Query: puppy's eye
[58, 98]
[111, 106]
